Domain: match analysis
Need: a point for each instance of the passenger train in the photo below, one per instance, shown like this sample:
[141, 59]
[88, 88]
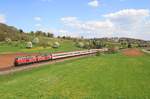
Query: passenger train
[26, 60]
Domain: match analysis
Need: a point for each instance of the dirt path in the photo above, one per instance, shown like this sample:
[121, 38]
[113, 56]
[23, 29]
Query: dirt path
[132, 52]
[7, 60]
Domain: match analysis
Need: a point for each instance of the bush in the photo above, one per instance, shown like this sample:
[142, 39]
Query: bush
[80, 44]
[129, 45]
[56, 45]
[49, 44]
[112, 50]
[43, 44]
[35, 40]
[29, 45]
[15, 44]
[98, 53]
[87, 45]
[8, 40]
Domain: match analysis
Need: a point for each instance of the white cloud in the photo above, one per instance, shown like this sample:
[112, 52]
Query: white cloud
[131, 22]
[38, 25]
[63, 32]
[124, 23]
[70, 18]
[2, 19]
[94, 3]
[87, 25]
[37, 18]
[128, 13]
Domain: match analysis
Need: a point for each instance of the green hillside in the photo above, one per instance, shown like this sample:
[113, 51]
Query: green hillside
[112, 76]
[15, 40]
[65, 45]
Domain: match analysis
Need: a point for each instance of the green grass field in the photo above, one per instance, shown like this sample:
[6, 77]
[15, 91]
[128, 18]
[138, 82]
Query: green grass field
[112, 76]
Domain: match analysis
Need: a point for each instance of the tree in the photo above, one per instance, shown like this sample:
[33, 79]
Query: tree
[129, 45]
[87, 45]
[50, 35]
[97, 44]
[39, 33]
[64, 37]
[49, 43]
[32, 32]
[56, 45]
[58, 37]
[80, 44]
[8, 40]
[35, 40]
[29, 45]
[21, 31]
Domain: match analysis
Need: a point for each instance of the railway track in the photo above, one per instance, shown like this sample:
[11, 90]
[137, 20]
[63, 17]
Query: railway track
[14, 69]
[30, 62]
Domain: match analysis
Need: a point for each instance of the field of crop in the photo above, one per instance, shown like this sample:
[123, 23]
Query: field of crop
[112, 76]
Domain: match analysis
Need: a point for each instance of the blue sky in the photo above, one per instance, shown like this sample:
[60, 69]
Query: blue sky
[75, 17]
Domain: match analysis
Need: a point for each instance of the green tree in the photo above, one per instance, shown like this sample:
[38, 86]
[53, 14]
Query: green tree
[29, 45]
[80, 44]
[35, 40]
[56, 45]
[50, 35]
[8, 40]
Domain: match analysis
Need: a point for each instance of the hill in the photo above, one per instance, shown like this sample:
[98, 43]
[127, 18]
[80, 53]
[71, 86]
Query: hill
[9, 32]
[17, 41]
[18, 34]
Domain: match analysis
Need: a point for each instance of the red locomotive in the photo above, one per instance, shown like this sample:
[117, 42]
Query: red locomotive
[31, 59]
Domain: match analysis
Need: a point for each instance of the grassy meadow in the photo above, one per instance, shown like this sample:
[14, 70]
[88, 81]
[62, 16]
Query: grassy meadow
[111, 76]
[65, 45]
